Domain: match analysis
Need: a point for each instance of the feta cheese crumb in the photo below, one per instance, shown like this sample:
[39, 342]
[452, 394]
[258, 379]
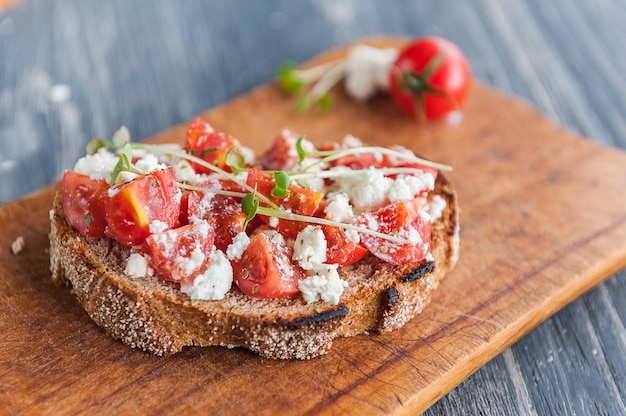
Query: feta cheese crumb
[325, 284]
[100, 165]
[237, 247]
[137, 266]
[437, 205]
[215, 282]
[157, 226]
[273, 222]
[149, 163]
[367, 70]
[309, 248]
[184, 172]
[339, 208]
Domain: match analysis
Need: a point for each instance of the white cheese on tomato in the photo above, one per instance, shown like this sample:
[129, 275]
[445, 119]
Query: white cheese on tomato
[309, 248]
[370, 189]
[158, 226]
[98, 166]
[339, 208]
[237, 247]
[324, 284]
[215, 282]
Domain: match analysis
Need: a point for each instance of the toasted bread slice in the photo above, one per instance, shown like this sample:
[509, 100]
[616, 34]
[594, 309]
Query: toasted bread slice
[155, 316]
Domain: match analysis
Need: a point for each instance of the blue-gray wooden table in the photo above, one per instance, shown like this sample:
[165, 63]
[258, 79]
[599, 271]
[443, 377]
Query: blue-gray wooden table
[71, 70]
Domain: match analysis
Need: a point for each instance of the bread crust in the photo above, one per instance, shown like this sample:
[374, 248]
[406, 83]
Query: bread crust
[155, 316]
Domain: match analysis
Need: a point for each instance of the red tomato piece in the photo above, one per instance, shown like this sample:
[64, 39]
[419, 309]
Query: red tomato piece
[340, 250]
[400, 219]
[282, 154]
[300, 200]
[131, 207]
[431, 76]
[223, 212]
[180, 254]
[265, 269]
[208, 144]
[81, 203]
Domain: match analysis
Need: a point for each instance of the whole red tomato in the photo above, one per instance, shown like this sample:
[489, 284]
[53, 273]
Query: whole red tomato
[431, 76]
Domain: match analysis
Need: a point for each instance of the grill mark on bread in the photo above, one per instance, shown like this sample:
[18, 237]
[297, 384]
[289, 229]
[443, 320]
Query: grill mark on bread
[331, 315]
[425, 267]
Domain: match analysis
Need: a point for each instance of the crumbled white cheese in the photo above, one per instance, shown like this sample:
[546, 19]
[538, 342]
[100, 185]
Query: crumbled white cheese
[350, 141]
[309, 248]
[371, 189]
[437, 205]
[367, 70]
[237, 247]
[137, 266]
[353, 236]
[339, 208]
[215, 282]
[149, 163]
[191, 262]
[273, 222]
[100, 165]
[249, 157]
[157, 226]
[325, 284]
[184, 172]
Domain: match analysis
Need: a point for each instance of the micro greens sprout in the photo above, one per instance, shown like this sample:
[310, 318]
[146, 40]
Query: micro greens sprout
[250, 206]
[327, 174]
[282, 182]
[323, 77]
[329, 156]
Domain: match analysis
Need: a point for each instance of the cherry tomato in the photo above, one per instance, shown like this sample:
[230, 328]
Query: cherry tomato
[81, 203]
[212, 146]
[431, 76]
[131, 207]
[400, 219]
[180, 254]
[300, 200]
[265, 269]
[340, 250]
[223, 212]
[282, 154]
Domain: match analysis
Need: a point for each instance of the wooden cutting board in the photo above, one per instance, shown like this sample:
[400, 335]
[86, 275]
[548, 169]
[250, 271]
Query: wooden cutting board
[543, 220]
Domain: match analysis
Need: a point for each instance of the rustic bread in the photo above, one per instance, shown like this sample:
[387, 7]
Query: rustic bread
[155, 316]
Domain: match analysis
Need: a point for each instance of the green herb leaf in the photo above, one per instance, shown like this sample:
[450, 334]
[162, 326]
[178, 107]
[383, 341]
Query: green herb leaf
[325, 102]
[119, 166]
[95, 144]
[302, 154]
[282, 183]
[234, 160]
[302, 103]
[250, 206]
[290, 80]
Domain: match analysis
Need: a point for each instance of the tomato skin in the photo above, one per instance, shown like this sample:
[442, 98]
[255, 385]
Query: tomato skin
[398, 218]
[223, 212]
[208, 144]
[130, 207]
[261, 272]
[171, 252]
[300, 200]
[282, 154]
[435, 96]
[81, 203]
[340, 250]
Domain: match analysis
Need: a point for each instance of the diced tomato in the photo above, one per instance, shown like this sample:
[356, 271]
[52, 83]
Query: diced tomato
[265, 269]
[340, 250]
[282, 154]
[180, 254]
[399, 219]
[205, 142]
[81, 203]
[130, 207]
[225, 214]
[300, 200]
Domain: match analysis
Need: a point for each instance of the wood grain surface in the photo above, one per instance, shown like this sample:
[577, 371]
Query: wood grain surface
[542, 223]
